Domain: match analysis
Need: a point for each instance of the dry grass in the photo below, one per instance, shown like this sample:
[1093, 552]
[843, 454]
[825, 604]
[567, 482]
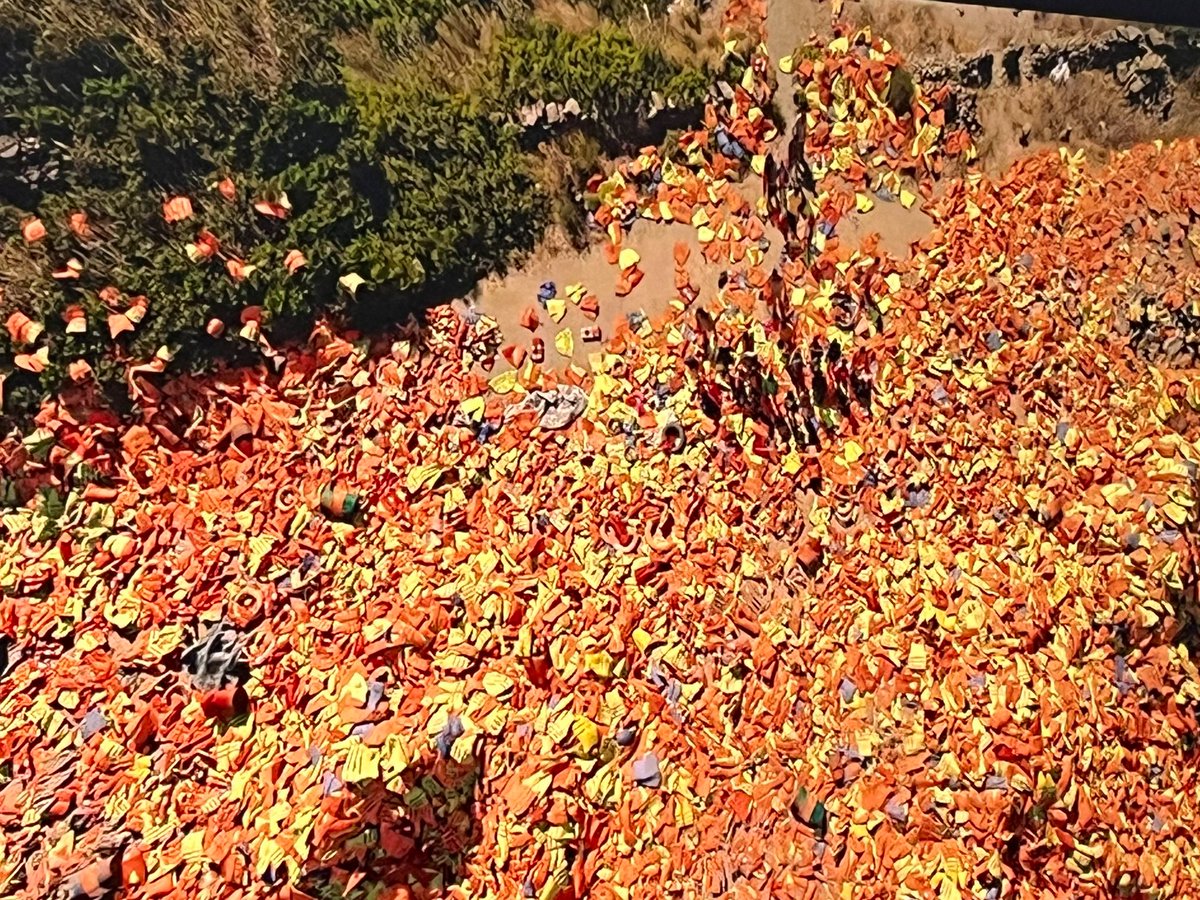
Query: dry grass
[253, 42]
[919, 31]
[561, 168]
[260, 44]
[453, 60]
[568, 16]
[1089, 111]
[20, 277]
[921, 28]
[685, 36]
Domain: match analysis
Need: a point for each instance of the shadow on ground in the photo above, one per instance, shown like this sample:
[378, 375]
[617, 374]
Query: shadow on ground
[410, 842]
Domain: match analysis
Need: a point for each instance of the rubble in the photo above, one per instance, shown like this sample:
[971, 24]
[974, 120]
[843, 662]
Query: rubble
[821, 585]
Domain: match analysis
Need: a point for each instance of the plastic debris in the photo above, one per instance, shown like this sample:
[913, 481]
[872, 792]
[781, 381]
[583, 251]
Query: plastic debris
[646, 771]
[878, 606]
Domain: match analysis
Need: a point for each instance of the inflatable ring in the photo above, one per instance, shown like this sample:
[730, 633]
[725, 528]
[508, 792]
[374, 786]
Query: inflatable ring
[608, 531]
[337, 501]
[287, 497]
[673, 437]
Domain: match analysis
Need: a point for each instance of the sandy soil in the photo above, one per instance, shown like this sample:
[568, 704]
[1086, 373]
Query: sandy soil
[790, 24]
[506, 298]
[898, 228]
[924, 28]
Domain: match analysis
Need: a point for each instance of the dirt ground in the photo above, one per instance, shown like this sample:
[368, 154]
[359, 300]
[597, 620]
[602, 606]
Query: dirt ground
[506, 298]
[1087, 112]
[925, 28]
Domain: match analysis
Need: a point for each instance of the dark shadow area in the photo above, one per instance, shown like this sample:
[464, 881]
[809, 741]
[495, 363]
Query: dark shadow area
[377, 310]
[1187, 14]
[413, 842]
[1012, 66]
[621, 136]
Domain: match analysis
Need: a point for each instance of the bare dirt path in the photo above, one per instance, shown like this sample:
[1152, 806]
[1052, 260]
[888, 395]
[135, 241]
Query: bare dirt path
[505, 298]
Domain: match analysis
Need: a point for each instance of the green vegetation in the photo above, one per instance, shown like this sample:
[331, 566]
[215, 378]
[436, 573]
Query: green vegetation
[388, 125]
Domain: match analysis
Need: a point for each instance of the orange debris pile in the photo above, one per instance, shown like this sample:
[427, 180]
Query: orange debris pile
[726, 613]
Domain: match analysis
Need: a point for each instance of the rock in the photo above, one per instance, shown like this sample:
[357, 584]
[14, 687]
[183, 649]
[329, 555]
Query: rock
[571, 108]
[1027, 67]
[978, 72]
[216, 659]
[847, 689]
[646, 771]
[93, 723]
[897, 811]
[1150, 62]
[553, 113]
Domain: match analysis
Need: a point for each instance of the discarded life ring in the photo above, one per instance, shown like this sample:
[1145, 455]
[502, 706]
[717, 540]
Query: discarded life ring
[287, 497]
[225, 703]
[673, 437]
[247, 606]
[611, 531]
[241, 435]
